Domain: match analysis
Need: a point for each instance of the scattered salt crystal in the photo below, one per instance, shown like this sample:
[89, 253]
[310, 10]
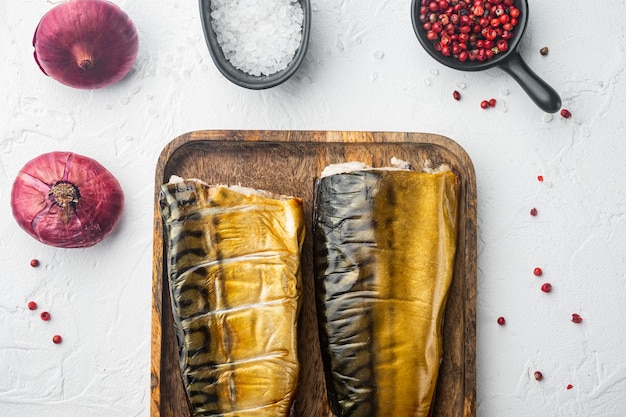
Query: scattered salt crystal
[547, 117]
[340, 45]
[427, 82]
[461, 86]
[434, 71]
[504, 92]
[379, 54]
[259, 37]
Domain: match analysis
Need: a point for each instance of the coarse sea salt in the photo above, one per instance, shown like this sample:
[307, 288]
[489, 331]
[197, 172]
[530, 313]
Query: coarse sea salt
[259, 37]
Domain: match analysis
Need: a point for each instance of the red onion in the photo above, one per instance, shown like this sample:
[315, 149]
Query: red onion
[66, 200]
[86, 43]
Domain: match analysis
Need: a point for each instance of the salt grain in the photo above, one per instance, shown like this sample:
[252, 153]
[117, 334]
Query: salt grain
[259, 37]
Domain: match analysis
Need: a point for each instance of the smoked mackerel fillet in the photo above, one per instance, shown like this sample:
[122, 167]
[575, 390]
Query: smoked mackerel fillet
[233, 258]
[385, 242]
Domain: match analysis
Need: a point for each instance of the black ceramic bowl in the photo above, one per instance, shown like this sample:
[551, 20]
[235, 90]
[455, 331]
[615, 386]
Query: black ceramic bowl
[510, 61]
[242, 78]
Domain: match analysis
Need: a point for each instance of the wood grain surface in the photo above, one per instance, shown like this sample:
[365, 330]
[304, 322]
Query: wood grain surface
[287, 162]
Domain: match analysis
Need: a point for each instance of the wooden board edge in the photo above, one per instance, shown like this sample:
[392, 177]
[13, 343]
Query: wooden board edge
[470, 294]
[311, 136]
[157, 297]
[157, 278]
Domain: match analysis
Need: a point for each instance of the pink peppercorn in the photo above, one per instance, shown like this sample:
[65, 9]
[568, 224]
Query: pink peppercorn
[538, 272]
[547, 287]
[566, 114]
[501, 321]
[34, 263]
[533, 211]
[32, 305]
[56, 339]
[45, 316]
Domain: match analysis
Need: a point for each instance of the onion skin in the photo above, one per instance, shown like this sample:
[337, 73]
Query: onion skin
[83, 223]
[86, 44]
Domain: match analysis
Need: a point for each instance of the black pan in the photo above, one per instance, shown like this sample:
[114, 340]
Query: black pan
[510, 61]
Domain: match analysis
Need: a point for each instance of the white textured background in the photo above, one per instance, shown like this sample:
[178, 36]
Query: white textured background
[364, 71]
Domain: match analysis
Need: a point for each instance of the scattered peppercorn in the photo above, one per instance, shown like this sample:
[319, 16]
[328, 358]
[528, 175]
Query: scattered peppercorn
[501, 321]
[34, 263]
[45, 316]
[456, 95]
[540, 178]
[538, 272]
[56, 339]
[547, 287]
[576, 318]
[566, 114]
[484, 104]
[544, 51]
[538, 376]
[32, 305]
[533, 211]
[570, 386]
[492, 102]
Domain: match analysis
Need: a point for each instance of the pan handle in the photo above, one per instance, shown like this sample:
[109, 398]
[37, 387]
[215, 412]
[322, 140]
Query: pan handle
[537, 89]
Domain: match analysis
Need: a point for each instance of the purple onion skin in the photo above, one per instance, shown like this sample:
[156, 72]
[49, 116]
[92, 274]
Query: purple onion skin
[86, 44]
[91, 218]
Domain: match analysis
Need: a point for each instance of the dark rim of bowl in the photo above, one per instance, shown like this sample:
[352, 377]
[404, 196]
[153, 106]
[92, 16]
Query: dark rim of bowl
[247, 80]
[452, 62]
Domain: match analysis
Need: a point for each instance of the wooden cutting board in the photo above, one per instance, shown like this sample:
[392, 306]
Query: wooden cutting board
[287, 162]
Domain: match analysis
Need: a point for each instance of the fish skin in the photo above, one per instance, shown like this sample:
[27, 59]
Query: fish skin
[384, 246]
[235, 280]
